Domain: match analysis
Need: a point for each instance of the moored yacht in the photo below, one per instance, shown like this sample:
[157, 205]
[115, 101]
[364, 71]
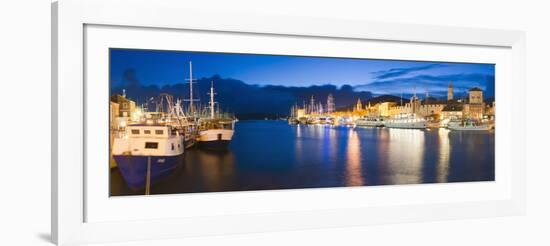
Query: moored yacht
[370, 121]
[325, 120]
[469, 125]
[344, 121]
[410, 121]
[148, 153]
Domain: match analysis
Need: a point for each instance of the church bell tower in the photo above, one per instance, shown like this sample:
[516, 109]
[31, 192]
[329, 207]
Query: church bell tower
[450, 92]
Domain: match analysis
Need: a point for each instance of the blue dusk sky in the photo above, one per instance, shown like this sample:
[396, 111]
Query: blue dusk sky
[154, 67]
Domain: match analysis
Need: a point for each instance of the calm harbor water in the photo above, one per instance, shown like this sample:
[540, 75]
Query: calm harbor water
[265, 155]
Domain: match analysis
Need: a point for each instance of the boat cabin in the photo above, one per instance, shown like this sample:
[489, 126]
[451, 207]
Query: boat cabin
[227, 124]
[153, 140]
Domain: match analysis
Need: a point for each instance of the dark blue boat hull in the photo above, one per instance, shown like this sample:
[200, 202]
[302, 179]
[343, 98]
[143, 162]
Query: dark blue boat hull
[134, 168]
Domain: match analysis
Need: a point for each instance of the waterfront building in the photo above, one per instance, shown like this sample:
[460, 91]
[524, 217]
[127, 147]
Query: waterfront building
[432, 109]
[490, 111]
[452, 111]
[423, 108]
[114, 112]
[384, 109]
[475, 106]
[114, 126]
[475, 96]
[127, 106]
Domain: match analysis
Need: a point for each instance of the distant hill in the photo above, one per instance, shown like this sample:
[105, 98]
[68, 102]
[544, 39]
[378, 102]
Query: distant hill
[244, 100]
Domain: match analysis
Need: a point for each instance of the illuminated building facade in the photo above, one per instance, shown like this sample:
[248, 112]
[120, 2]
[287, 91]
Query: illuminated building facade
[126, 106]
[475, 107]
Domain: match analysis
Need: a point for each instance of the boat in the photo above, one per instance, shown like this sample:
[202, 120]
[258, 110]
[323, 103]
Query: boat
[410, 121]
[148, 153]
[469, 125]
[293, 121]
[325, 120]
[370, 121]
[215, 131]
[312, 121]
[320, 120]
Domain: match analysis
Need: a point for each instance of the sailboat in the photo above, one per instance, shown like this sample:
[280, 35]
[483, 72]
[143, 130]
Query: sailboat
[215, 131]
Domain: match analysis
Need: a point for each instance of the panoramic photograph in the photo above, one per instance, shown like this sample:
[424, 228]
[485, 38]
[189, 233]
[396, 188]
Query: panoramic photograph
[193, 122]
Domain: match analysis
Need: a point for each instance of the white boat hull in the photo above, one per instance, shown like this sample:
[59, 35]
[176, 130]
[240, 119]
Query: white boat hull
[406, 125]
[470, 128]
[215, 138]
[369, 123]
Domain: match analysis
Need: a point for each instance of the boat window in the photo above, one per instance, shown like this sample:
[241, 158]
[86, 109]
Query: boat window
[146, 131]
[135, 131]
[159, 132]
[172, 146]
[151, 145]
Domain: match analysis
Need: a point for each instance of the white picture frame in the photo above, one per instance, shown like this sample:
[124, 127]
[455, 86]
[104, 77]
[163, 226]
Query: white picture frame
[70, 222]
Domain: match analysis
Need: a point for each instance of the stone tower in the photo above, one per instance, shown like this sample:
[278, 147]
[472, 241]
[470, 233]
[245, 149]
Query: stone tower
[450, 92]
[475, 96]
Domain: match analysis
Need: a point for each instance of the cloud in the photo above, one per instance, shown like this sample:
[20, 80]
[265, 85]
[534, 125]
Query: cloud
[398, 72]
[435, 84]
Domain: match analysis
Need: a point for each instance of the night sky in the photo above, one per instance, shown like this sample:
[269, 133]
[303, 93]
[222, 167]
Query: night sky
[379, 77]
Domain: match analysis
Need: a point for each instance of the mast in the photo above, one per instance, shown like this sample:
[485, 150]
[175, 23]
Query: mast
[191, 81]
[212, 99]
[312, 105]
[191, 88]
[330, 104]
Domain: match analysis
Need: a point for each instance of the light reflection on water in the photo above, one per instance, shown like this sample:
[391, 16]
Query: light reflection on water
[266, 155]
[444, 155]
[405, 153]
[354, 176]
